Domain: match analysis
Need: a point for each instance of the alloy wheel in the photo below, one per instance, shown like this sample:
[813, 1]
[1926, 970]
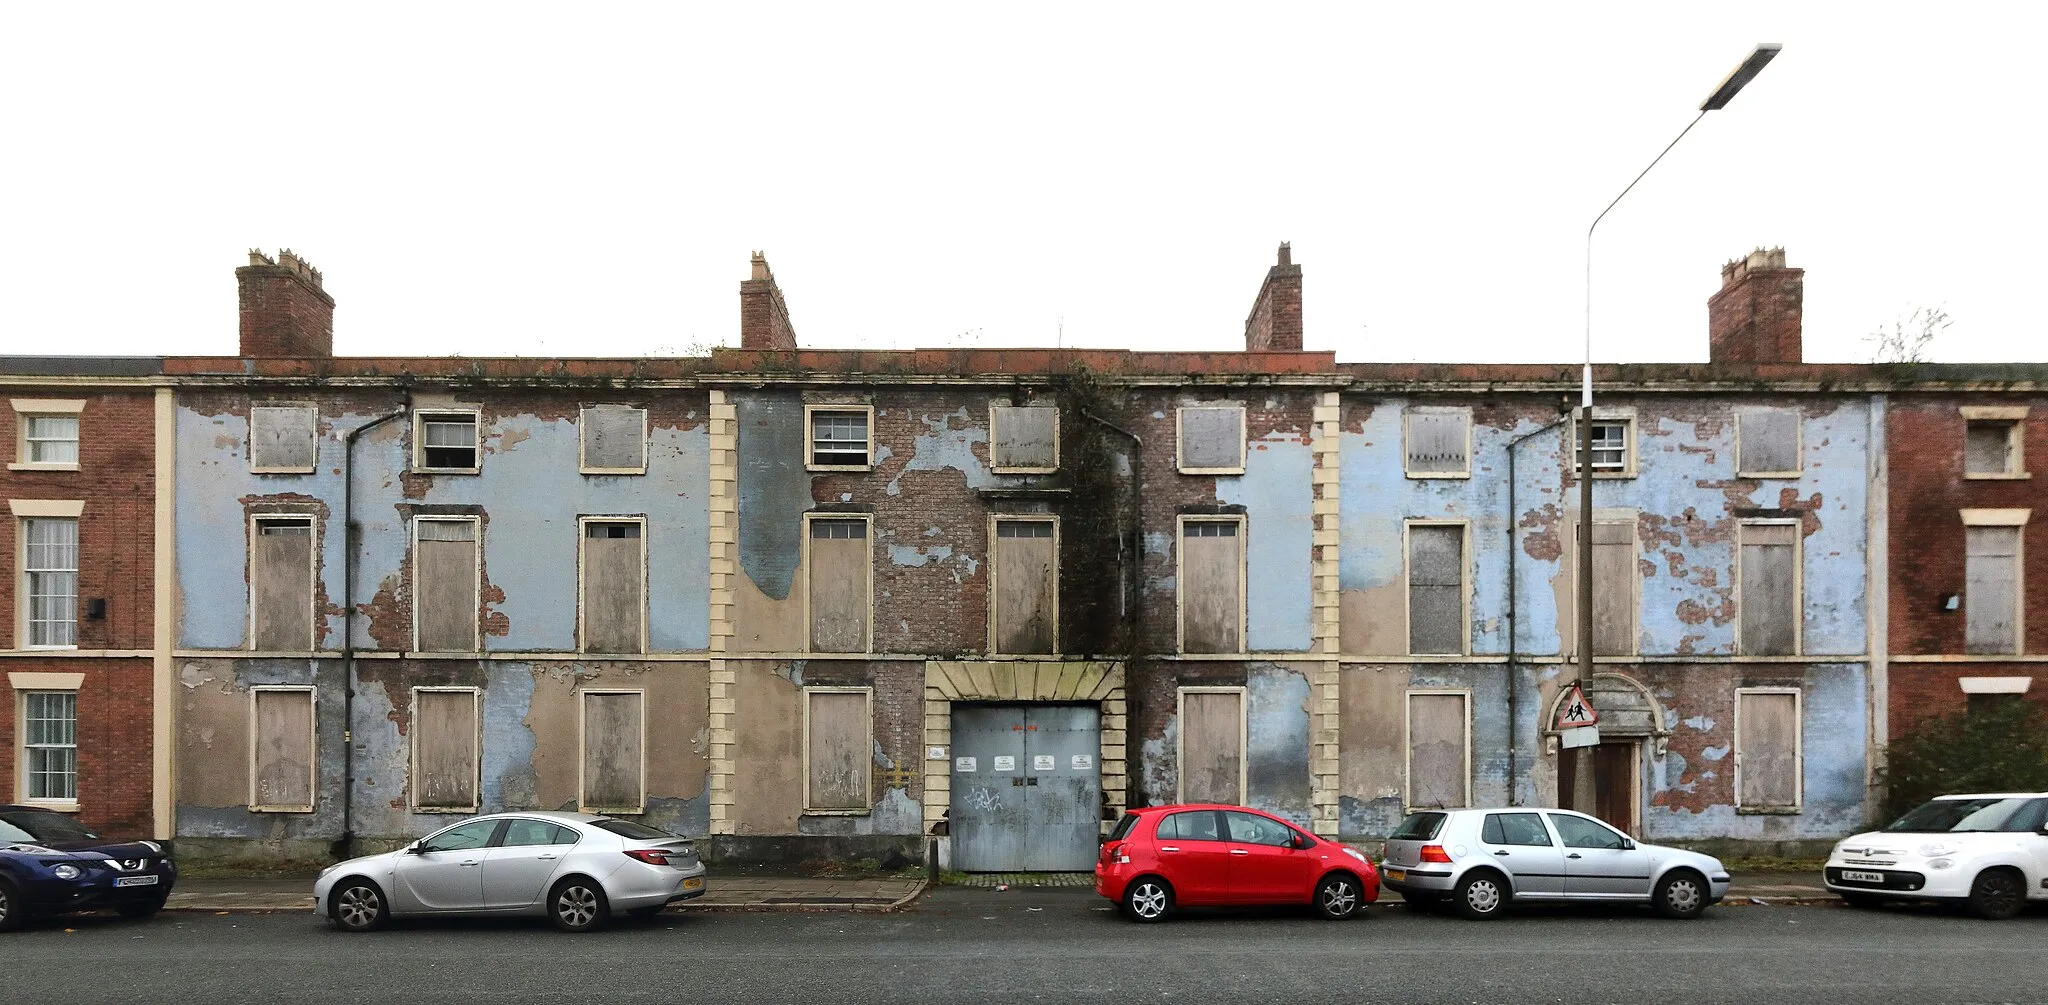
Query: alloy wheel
[1339, 899]
[359, 908]
[6, 906]
[1996, 895]
[1148, 901]
[576, 906]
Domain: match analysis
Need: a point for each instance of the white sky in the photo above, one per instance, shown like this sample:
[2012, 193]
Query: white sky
[518, 179]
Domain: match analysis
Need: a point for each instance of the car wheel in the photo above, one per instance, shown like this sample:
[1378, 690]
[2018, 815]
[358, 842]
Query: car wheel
[141, 908]
[1337, 897]
[577, 905]
[1862, 901]
[1997, 894]
[356, 905]
[12, 911]
[1483, 894]
[1148, 898]
[1681, 894]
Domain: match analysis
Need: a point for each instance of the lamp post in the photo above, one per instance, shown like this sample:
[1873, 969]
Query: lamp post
[1583, 798]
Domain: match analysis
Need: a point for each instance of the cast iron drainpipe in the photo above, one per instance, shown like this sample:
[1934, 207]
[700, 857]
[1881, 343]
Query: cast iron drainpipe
[342, 844]
[1514, 763]
[1134, 611]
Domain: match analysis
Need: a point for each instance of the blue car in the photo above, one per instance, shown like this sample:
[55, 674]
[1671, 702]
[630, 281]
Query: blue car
[50, 864]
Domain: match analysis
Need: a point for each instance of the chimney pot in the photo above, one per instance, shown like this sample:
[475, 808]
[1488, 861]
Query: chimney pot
[1275, 321]
[1756, 316]
[764, 318]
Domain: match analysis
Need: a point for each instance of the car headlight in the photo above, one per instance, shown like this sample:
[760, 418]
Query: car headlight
[68, 871]
[1355, 853]
[1940, 863]
[1937, 849]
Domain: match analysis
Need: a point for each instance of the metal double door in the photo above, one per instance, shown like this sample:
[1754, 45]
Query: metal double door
[1027, 788]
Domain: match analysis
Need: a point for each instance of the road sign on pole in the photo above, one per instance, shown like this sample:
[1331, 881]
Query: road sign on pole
[1575, 712]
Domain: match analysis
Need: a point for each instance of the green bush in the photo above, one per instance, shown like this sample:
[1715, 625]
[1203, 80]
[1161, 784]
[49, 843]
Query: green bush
[1999, 747]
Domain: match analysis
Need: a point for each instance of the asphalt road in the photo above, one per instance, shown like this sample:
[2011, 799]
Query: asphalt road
[1052, 945]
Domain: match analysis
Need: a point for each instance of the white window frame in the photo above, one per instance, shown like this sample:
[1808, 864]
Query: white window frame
[1244, 559]
[1626, 417]
[804, 567]
[583, 803]
[2006, 518]
[1244, 738]
[1414, 410]
[476, 588]
[2015, 418]
[23, 684]
[1798, 443]
[810, 438]
[995, 520]
[1408, 744]
[582, 577]
[1798, 582]
[476, 748]
[1464, 585]
[256, 522]
[423, 416]
[283, 469]
[25, 510]
[312, 746]
[995, 411]
[583, 425]
[869, 720]
[1180, 435]
[1798, 748]
[39, 408]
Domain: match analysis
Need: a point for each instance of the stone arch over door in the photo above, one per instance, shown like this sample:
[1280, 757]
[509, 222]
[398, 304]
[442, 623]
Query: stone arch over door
[1627, 710]
[1074, 681]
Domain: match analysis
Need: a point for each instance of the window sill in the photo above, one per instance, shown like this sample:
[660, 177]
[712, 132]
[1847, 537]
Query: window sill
[838, 813]
[1770, 474]
[840, 467]
[446, 810]
[1024, 471]
[1768, 811]
[306, 470]
[1211, 471]
[1426, 475]
[613, 471]
[54, 806]
[40, 466]
[280, 809]
[1997, 476]
[49, 649]
[447, 471]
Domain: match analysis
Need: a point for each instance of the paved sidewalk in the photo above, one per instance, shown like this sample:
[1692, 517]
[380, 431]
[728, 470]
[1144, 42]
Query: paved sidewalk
[749, 893]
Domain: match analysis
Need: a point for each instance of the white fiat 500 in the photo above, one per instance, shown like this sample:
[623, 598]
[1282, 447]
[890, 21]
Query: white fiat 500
[575, 868]
[1988, 850]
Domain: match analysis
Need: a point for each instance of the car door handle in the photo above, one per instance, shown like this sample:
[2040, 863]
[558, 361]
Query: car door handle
[549, 857]
[1502, 854]
[467, 863]
[1167, 848]
[1574, 855]
[1239, 851]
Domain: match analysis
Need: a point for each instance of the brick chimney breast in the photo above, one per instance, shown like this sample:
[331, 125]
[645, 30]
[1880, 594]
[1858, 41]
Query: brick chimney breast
[1275, 321]
[285, 312]
[764, 318]
[1756, 316]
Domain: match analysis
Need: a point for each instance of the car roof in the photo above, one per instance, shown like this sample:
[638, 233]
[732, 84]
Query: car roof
[580, 818]
[1994, 795]
[1192, 806]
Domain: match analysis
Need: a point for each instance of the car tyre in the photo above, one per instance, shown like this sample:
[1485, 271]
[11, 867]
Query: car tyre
[357, 905]
[1148, 899]
[1338, 896]
[578, 904]
[1482, 894]
[1997, 894]
[141, 908]
[13, 912]
[1682, 895]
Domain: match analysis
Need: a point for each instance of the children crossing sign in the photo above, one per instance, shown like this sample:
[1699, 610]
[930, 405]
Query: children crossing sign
[1575, 711]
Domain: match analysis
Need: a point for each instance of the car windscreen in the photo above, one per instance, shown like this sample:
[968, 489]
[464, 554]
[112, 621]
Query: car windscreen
[629, 829]
[1419, 827]
[45, 826]
[1123, 827]
[1958, 816]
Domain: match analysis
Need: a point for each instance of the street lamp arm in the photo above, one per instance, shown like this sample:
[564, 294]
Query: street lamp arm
[1596, 225]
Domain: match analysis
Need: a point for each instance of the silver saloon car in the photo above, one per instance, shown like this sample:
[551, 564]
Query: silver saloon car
[1482, 860]
[575, 868]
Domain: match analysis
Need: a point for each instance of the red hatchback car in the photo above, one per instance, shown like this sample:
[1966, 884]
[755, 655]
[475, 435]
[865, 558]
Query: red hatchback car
[1160, 858]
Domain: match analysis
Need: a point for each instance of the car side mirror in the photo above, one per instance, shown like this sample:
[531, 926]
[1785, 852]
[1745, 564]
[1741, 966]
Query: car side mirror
[1627, 845]
[416, 848]
[1297, 842]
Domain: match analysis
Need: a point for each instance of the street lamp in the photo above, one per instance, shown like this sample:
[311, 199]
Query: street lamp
[1582, 776]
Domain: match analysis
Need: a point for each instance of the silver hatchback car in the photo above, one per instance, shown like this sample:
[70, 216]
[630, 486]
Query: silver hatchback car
[1480, 860]
[576, 868]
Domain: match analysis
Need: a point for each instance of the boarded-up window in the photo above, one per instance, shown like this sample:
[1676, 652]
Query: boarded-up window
[1436, 589]
[1991, 448]
[838, 749]
[614, 586]
[1767, 753]
[1614, 587]
[1991, 590]
[1211, 440]
[839, 438]
[1026, 583]
[281, 744]
[1212, 746]
[613, 725]
[281, 438]
[1770, 594]
[281, 584]
[444, 749]
[1211, 585]
[1767, 443]
[614, 438]
[444, 586]
[840, 567]
[1024, 438]
[1437, 442]
[1439, 750]
[448, 441]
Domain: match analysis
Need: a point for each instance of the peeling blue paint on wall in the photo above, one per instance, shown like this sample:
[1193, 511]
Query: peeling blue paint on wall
[1278, 496]
[1277, 777]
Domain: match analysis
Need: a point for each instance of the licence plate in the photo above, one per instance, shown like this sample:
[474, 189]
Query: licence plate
[1397, 875]
[693, 883]
[1862, 877]
[135, 880]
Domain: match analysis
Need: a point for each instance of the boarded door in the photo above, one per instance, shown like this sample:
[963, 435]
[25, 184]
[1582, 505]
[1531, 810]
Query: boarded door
[1991, 589]
[1211, 584]
[1614, 781]
[1770, 598]
[1768, 757]
[838, 581]
[612, 744]
[284, 751]
[444, 749]
[281, 563]
[1027, 788]
[614, 588]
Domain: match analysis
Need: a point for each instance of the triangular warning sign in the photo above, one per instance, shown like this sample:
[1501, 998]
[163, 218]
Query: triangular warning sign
[1575, 711]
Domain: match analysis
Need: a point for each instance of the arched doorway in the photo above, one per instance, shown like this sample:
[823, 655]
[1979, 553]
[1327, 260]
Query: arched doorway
[1632, 728]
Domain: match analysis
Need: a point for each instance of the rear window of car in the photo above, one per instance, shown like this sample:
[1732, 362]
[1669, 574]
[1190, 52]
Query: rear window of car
[1123, 827]
[629, 829]
[46, 826]
[1419, 827]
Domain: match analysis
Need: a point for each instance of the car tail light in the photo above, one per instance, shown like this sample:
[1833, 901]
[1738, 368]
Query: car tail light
[659, 856]
[1115, 854]
[1434, 853]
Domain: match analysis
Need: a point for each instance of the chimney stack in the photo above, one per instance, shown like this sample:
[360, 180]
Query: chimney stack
[764, 319]
[285, 313]
[1275, 321]
[1756, 316]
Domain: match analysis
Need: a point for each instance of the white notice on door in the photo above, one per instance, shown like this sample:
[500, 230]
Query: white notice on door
[1044, 762]
[1005, 762]
[1084, 762]
[964, 765]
